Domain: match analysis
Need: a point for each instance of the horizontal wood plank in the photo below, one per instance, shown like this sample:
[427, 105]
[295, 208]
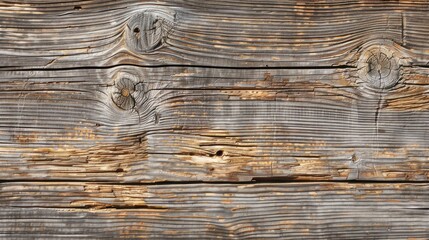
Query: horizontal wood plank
[46, 34]
[317, 210]
[133, 124]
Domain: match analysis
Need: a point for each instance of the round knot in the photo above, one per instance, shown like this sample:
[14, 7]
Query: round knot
[146, 30]
[379, 68]
[128, 91]
[122, 96]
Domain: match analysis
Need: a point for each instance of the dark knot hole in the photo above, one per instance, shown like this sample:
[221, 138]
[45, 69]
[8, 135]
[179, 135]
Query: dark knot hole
[219, 153]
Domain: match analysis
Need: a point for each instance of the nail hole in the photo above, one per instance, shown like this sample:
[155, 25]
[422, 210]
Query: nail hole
[219, 153]
[119, 170]
[77, 8]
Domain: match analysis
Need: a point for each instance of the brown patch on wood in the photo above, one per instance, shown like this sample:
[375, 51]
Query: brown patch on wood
[268, 77]
[253, 94]
[412, 96]
[100, 161]
[25, 138]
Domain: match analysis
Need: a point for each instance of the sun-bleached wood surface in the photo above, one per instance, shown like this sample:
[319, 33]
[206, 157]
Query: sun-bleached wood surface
[317, 210]
[216, 119]
[204, 124]
[51, 34]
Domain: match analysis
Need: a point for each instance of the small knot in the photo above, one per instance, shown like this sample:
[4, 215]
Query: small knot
[146, 30]
[122, 96]
[128, 92]
[379, 68]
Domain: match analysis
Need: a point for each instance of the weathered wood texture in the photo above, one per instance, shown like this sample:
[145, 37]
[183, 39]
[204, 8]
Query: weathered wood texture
[202, 211]
[212, 124]
[98, 98]
[217, 33]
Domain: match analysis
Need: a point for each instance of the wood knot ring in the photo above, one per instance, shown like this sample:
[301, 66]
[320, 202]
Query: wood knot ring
[123, 94]
[146, 30]
[128, 92]
[379, 68]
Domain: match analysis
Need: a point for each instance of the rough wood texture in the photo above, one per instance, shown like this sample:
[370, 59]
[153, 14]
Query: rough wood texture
[112, 111]
[154, 124]
[203, 211]
[216, 33]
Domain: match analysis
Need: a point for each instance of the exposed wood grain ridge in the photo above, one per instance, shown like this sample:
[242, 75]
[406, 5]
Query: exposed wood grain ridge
[262, 211]
[216, 33]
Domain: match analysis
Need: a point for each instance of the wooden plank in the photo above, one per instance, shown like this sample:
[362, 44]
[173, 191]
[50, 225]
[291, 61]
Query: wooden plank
[316, 210]
[133, 124]
[46, 34]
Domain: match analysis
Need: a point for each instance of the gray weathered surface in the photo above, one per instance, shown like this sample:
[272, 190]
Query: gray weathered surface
[212, 124]
[216, 33]
[249, 211]
[111, 111]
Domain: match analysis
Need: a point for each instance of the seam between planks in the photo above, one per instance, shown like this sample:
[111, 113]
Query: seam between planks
[17, 68]
[257, 181]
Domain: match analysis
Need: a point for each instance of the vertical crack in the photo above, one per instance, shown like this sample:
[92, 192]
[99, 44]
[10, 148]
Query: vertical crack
[377, 114]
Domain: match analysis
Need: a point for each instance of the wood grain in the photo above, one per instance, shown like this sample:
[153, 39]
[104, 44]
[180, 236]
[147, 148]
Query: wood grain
[176, 119]
[212, 124]
[46, 34]
[316, 210]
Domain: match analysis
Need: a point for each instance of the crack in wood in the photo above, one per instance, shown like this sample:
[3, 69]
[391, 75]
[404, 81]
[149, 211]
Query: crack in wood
[18, 69]
[255, 180]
